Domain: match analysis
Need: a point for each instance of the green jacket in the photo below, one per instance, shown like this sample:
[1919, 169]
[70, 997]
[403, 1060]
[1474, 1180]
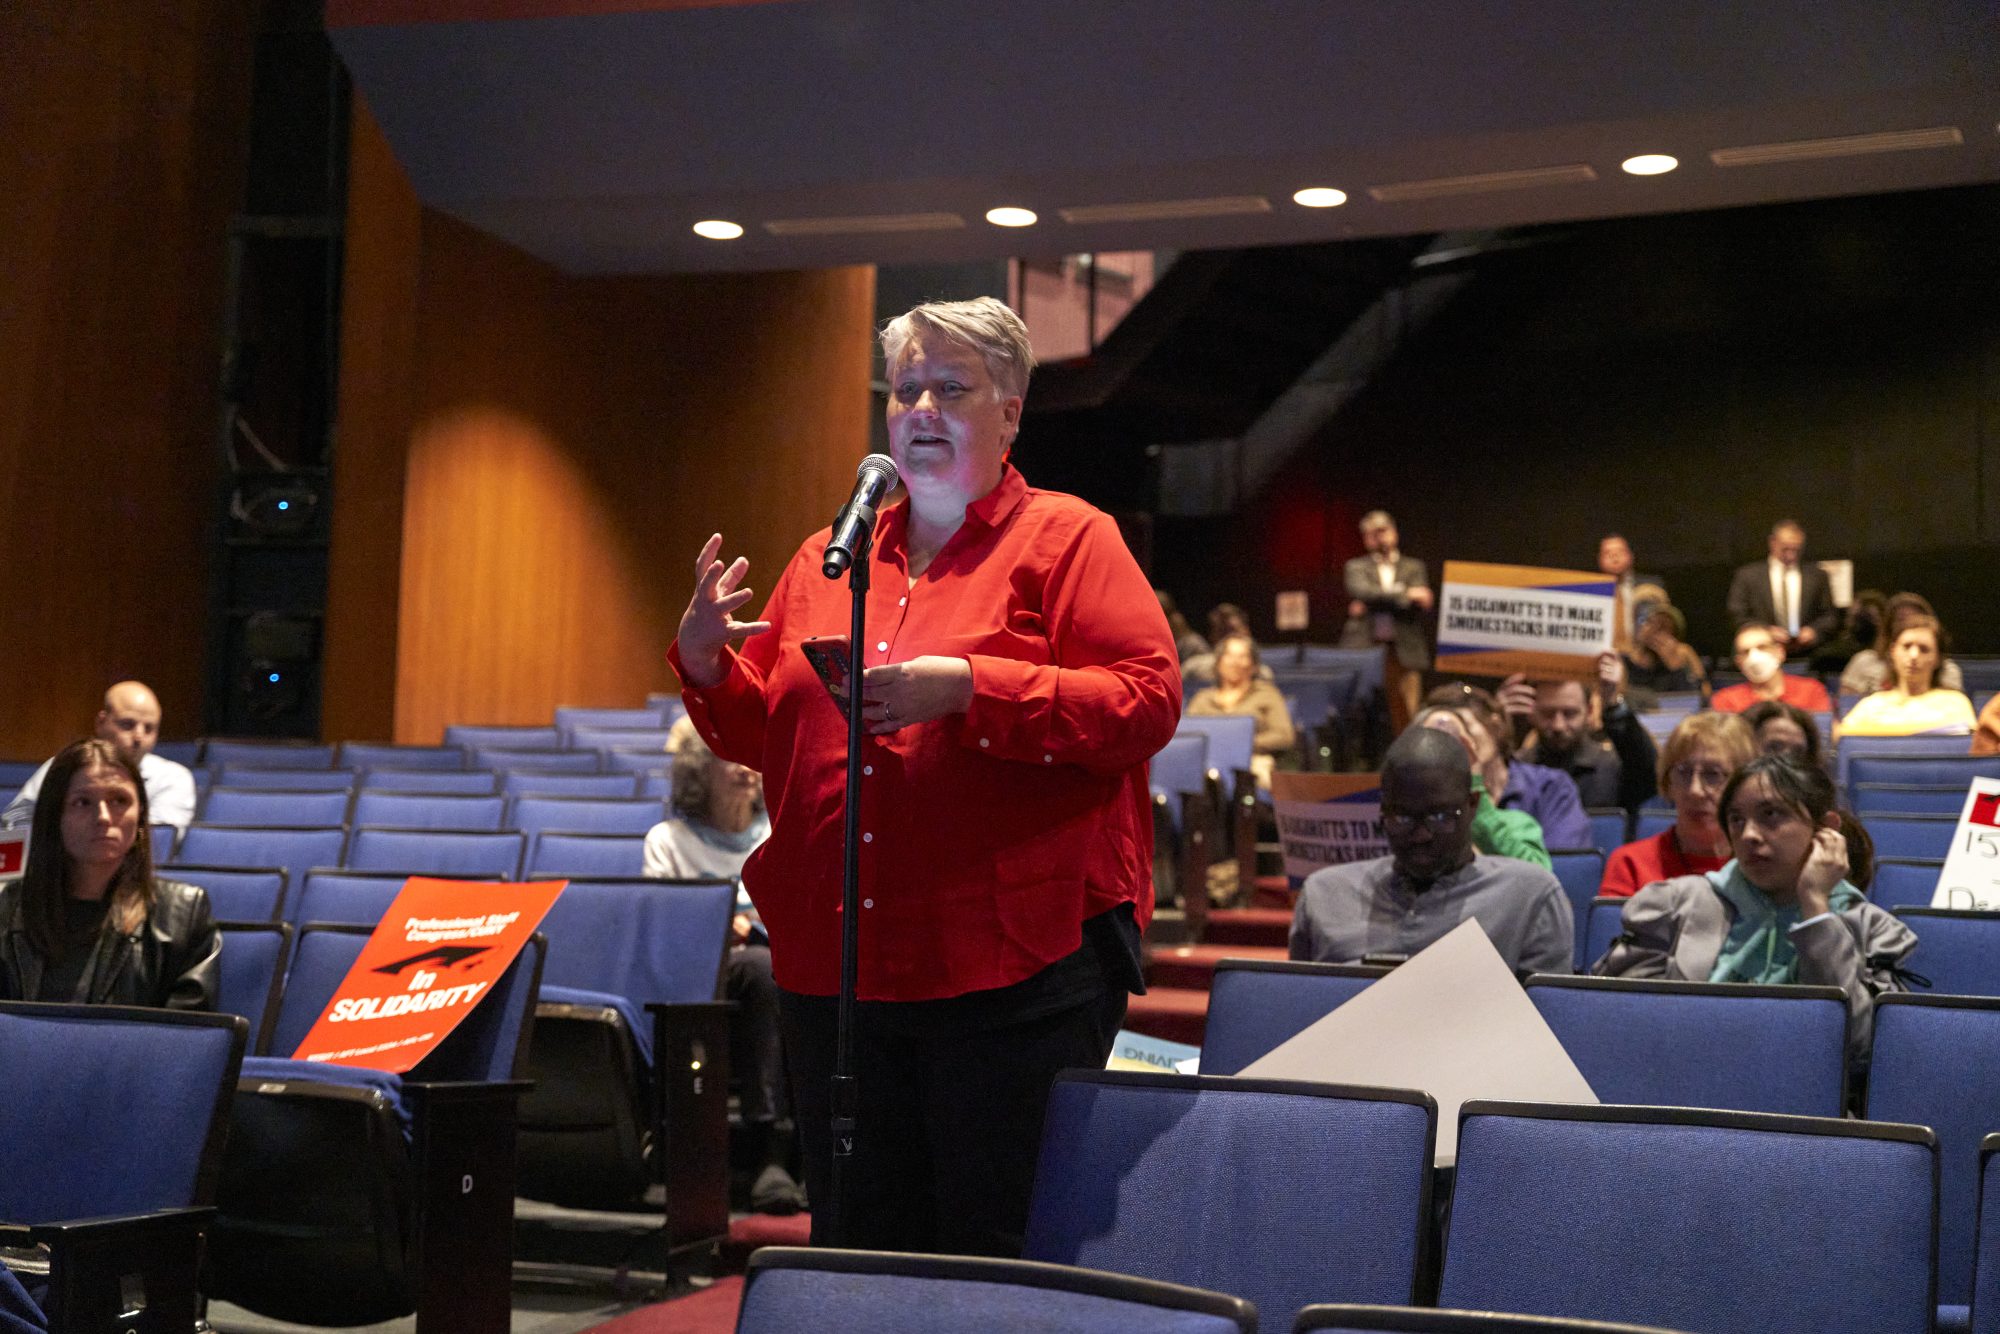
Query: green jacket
[1499, 833]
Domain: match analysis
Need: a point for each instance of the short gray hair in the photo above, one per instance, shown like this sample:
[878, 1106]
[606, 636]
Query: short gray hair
[983, 324]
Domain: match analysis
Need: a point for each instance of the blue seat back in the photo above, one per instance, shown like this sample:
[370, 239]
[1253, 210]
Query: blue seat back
[1230, 741]
[1607, 830]
[1905, 882]
[251, 965]
[1310, 699]
[1869, 800]
[647, 940]
[1651, 822]
[428, 810]
[606, 856]
[549, 761]
[1581, 871]
[1946, 770]
[1892, 747]
[532, 783]
[1986, 1257]
[382, 755]
[1702, 1044]
[14, 774]
[617, 738]
[111, 1110]
[1934, 1064]
[1605, 920]
[236, 894]
[1255, 1006]
[180, 752]
[658, 786]
[1345, 1318]
[880, 1292]
[287, 780]
[626, 719]
[1181, 766]
[470, 854]
[161, 838]
[445, 782]
[349, 898]
[1166, 1176]
[472, 737]
[255, 806]
[1911, 836]
[1957, 949]
[1691, 1220]
[670, 706]
[642, 761]
[219, 752]
[586, 815]
[295, 850]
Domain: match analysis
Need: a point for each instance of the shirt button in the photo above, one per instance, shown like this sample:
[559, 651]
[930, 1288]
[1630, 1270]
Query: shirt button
[902, 602]
[882, 646]
[868, 838]
[867, 903]
[984, 743]
[1048, 759]
[867, 768]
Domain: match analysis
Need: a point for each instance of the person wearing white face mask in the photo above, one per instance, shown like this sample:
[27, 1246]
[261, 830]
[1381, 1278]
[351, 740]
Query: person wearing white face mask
[1760, 656]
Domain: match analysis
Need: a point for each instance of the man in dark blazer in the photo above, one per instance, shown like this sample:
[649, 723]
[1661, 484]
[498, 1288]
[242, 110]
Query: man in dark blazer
[1387, 596]
[1785, 592]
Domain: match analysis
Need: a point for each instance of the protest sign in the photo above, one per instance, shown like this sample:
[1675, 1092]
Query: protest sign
[1327, 820]
[1971, 875]
[1495, 620]
[13, 851]
[1137, 1051]
[438, 952]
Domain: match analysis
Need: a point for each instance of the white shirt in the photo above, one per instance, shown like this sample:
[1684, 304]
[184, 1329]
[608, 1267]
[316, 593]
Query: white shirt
[1385, 570]
[1785, 595]
[169, 793]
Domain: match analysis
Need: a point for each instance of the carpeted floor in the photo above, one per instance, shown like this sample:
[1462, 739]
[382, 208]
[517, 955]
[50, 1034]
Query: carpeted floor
[710, 1310]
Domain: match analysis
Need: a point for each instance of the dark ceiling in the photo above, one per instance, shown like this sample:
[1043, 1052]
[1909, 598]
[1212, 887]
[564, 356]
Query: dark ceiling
[595, 139]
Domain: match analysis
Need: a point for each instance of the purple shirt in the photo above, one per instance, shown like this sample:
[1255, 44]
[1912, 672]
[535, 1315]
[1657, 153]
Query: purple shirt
[1550, 796]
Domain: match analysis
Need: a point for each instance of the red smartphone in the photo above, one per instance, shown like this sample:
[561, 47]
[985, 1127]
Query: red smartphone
[828, 656]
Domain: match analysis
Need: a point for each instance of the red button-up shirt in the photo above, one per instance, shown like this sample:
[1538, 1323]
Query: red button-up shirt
[989, 836]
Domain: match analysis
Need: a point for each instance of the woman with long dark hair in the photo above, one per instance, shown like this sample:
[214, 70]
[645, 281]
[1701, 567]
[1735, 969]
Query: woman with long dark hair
[88, 922]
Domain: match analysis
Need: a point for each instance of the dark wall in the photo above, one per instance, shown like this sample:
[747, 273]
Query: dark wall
[1684, 380]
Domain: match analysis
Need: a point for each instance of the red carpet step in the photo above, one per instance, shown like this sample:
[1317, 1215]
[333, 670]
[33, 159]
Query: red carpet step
[1193, 966]
[1177, 1014]
[1268, 927]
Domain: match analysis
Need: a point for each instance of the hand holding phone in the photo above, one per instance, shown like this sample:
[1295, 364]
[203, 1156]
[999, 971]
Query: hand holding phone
[828, 656]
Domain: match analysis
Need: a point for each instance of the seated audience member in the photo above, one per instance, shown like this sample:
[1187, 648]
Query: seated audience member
[1614, 559]
[1187, 643]
[1432, 880]
[129, 720]
[1786, 593]
[1612, 765]
[1867, 670]
[1238, 691]
[1785, 909]
[1224, 619]
[1910, 702]
[1783, 730]
[1549, 795]
[88, 922]
[716, 820]
[1860, 626]
[1760, 656]
[1703, 753]
[1660, 659]
[1495, 832]
[1986, 736]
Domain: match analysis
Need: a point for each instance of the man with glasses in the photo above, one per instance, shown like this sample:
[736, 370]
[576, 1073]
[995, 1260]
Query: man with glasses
[1394, 906]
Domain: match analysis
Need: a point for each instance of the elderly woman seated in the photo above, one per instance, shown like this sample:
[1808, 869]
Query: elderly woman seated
[1238, 690]
[1700, 758]
[1784, 909]
[1911, 702]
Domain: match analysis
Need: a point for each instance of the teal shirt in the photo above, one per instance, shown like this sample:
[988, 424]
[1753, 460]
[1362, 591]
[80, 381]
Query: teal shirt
[1759, 947]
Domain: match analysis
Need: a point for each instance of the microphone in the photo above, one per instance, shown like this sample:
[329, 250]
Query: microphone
[874, 479]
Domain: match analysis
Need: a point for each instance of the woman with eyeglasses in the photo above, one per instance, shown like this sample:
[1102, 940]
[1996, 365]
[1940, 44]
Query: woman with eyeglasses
[1786, 908]
[1701, 756]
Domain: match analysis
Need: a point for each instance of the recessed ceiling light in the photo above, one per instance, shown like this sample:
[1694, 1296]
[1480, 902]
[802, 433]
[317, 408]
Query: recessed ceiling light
[1011, 217]
[715, 229]
[1650, 164]
[1320, 196]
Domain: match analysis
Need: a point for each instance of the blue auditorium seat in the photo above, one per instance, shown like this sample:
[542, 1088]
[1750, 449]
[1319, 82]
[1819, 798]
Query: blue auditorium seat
[605, 856]
[1342, 1319]
[585, 815]
[445, 782]
[1284, 1193]
[283, 810]
[616, 738]
[1905, 882]
[648, 717]
[296, 851]
[346, 898]
[15, 773]
[1581, 872]
[237, 894]
[1651, 822]
[239, 775]
[547, 761]
[428, 810]
[658, 786]
[1180, 770]
[642, 761]
[1911, 836]
[252, 967]
[1934, 1062]
[1947, 770]
[1893, 747]
[531, 783]
[1986, 1260]
[470, 737]
[468, 854]
[383, 755]
[1609, 829]
[220, 751]
[1958, 949]
[1869, 800]
[1255, 1005]
[877, 1292]
[161, 839]
[180, 752]
[1602, 924]
[1230, 743]
[1702, 1044]
[1699, 1220]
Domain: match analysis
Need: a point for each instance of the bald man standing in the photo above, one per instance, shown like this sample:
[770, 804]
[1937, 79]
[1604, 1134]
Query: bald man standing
[129, 720]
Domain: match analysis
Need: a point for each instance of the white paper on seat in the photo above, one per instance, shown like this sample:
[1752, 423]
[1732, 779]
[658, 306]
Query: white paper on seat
[1453, 1022]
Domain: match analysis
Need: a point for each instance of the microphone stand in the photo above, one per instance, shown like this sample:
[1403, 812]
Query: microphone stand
[846, 1098]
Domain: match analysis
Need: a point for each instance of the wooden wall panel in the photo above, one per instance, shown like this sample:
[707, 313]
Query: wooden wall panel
[123, 137]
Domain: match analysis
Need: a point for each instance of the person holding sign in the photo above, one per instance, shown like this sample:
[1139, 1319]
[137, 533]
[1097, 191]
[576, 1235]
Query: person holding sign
[1432, 880]
[88, 922]
[1911, 702]
[1784, 910]
[1019, 677]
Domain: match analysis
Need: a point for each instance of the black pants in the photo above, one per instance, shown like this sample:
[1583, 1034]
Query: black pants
[754, 1051]
[950, 1120]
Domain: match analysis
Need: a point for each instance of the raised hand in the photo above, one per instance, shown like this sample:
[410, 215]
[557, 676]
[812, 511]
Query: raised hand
[708, 625]
[1825, 866]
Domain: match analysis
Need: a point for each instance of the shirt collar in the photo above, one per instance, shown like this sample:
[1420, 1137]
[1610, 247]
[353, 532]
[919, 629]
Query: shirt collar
[990, 511]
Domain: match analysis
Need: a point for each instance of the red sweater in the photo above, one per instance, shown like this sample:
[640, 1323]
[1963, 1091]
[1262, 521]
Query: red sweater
[1803, 692]
[1637, 865]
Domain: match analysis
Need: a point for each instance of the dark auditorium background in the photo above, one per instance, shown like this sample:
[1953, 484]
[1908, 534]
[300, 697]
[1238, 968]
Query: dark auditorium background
[523, 457]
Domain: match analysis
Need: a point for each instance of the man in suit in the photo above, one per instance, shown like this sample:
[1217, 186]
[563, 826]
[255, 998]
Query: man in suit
[1785, 592]
[1387, 596]
[1614, 561]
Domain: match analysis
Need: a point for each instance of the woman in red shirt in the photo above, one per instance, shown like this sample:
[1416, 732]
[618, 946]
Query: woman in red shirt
[1019, 677]
[1698, 759]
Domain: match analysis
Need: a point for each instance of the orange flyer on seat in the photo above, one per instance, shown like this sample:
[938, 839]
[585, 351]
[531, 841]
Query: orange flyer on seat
[440, 949]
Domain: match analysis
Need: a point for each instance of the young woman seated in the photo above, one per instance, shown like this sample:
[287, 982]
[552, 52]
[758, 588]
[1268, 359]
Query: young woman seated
[1911, 702]
[88, 922]
[1239, 690]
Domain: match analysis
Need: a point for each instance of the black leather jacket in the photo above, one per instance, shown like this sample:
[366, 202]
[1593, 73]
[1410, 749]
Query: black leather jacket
[170, 962]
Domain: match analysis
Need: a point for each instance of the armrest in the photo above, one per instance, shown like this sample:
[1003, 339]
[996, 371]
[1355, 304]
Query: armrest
[99, 1266]
[448, 1092]
[110, 1229]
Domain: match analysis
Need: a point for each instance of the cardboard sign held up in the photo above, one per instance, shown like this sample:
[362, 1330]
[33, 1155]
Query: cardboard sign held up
[1971, 875]
[438, 952]
[1452, 1022]
[1495, 620]
[1327, 820]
